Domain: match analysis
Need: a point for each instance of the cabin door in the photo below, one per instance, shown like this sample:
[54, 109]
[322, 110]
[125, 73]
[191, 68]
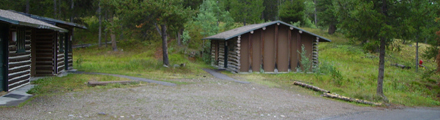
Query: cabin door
[3, 37]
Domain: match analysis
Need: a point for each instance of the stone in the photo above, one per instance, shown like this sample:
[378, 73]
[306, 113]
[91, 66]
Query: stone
[101, 113]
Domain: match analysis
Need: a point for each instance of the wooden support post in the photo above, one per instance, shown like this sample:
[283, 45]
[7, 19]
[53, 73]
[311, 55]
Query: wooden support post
[276, 48]
[250, 51]
[298, 44]
[289, 47]
[262, 48]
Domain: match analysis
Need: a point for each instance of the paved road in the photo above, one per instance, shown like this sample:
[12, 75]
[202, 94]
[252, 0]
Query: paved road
[394, 114]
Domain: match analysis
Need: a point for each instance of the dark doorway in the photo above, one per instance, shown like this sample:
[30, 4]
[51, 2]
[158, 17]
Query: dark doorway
[4, 32]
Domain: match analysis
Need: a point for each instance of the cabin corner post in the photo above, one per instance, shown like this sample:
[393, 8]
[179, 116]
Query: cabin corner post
[315, 62]
[238, 48]
[212, 52]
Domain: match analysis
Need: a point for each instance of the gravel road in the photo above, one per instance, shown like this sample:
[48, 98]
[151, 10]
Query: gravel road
[207, 98]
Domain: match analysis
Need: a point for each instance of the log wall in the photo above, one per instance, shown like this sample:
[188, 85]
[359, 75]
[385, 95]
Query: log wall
[19, 64]
[60, 54]
[45, 47]
[233, 55]
[221, 54]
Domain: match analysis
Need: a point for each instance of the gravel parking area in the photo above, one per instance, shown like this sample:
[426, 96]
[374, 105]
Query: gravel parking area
[208, 98]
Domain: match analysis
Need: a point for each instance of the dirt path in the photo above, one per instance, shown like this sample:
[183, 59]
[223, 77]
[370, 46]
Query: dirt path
[210, 98]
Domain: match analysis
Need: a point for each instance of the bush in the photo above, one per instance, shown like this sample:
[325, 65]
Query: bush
[329, 69]
[305, 62]
[371, 47]
[431, 52]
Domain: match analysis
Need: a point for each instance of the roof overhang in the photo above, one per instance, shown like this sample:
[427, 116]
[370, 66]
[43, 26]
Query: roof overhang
[52, 21]
[321, 39]
[15, 22]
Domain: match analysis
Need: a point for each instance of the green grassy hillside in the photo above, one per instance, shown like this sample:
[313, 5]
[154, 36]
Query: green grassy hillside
[346, 69]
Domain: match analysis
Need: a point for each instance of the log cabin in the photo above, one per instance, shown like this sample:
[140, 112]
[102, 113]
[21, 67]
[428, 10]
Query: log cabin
[17, 32]
[53, 50]
[271, 47]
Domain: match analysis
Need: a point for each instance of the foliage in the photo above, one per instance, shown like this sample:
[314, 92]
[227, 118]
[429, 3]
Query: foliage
[270, 12]
[246, 11]
[431, 52]
[305, 61]
[292, 11]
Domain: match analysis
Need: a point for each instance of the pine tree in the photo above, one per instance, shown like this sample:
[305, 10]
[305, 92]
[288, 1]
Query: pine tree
[292, 11]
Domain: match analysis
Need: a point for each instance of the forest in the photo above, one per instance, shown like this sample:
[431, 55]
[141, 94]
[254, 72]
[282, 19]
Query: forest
[373, 25]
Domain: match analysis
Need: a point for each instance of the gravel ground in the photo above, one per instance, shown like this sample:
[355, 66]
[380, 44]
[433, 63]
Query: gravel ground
[209, 98]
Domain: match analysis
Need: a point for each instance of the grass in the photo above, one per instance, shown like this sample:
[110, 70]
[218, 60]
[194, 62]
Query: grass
[139, 60]
[358, 72]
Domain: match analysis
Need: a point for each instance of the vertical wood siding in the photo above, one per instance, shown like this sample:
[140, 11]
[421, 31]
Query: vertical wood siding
[283, 60]
[19, 64]
[269, 48]
[256, 50]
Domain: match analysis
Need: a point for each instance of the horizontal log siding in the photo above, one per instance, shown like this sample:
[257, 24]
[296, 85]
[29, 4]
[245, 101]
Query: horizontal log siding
[60, 57]
[315, 55]
[19, 64]
[213, 47]
[44, 52]
[70, 55]
[233, 56]
[221, 55]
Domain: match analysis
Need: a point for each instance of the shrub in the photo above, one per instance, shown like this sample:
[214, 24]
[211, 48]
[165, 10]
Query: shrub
[305, 61]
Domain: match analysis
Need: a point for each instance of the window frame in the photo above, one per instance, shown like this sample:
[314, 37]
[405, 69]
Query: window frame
[21, 40]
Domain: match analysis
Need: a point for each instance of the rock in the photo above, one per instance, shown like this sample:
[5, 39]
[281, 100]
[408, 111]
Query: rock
[261, 115]
[70, 115]
[282, 116]
[101, 113]
[122, 116]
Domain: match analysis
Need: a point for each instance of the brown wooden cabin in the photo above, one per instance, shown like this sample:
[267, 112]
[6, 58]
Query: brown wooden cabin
[53, 50]
[17, 32]
[267, 47]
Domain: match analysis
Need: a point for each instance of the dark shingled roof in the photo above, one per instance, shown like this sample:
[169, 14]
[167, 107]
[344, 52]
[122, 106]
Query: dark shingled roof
[248, 28]
[19, 19]
[52, 21]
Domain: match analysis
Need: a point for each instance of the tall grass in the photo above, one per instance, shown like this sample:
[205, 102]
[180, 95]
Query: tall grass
[348, 70]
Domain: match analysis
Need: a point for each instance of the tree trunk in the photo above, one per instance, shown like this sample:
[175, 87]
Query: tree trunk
[112, 35]
[332, 29]
[164, 45]
[379, 91]
[100, 24]
[316, 16]
[27, 6]
[59, 9]
[179, 37]
[71, 10]
[417, 53]
[158, 30]
[55, 9]
[105, 32]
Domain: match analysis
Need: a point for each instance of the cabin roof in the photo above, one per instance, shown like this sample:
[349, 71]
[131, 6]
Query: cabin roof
[51, 20]
[19, 19]
[248, 28]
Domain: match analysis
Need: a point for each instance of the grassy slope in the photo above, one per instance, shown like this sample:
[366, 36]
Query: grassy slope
[359, 72]
[358, 69]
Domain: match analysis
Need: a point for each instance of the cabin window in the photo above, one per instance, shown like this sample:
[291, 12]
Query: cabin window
[21, 40]
[61, 42]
